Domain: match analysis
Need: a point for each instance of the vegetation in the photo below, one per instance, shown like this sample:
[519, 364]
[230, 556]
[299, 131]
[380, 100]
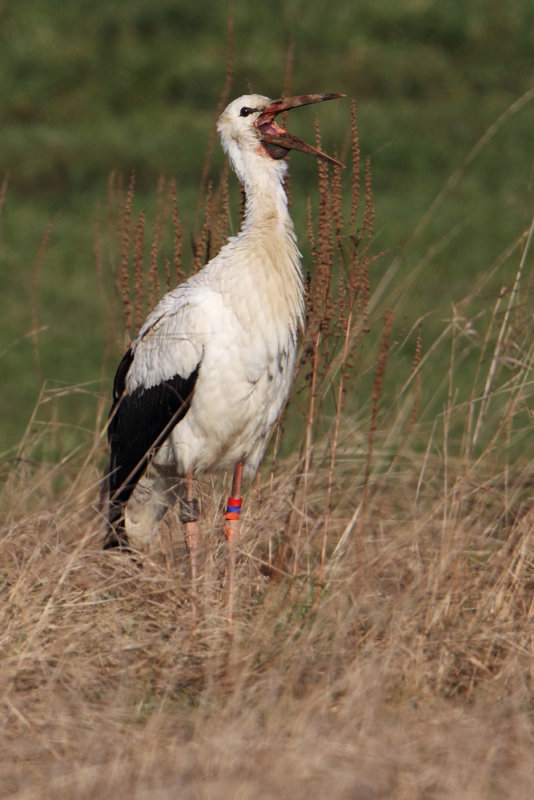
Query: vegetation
[94, 88]
[382, 644]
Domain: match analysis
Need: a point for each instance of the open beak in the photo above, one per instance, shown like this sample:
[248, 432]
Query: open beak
[276, 140]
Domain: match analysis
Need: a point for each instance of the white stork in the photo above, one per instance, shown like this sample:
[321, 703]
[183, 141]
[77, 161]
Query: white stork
[208, 374]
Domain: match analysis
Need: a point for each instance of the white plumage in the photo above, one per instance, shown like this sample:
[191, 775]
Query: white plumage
[207, 376]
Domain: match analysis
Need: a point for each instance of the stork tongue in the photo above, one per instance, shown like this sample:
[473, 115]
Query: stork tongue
[276, 140]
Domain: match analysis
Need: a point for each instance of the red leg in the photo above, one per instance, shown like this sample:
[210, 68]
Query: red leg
[231, 531]
[189, 516]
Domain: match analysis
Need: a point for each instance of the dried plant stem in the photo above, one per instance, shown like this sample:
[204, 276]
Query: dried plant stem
[308, 451]
[139, 277]
[518, 394]
[221, 213]
[417, 375]
[469, 438]
[446, 427]
[355, 192]
[124, 274]
[377, 391]
[202, 245]
[154, 289]
[333, 452]
[311, 408]
[177, 234]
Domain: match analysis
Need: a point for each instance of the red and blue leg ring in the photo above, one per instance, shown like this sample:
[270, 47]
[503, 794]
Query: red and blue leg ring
[233, 509]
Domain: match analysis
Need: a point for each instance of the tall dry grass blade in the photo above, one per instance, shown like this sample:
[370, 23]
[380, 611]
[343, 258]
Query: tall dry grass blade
[474, 398]
[378, 384]
[319, 313]
[333, 452]
[447, 416]
[495, 361]
[520, 394]
[302, 527]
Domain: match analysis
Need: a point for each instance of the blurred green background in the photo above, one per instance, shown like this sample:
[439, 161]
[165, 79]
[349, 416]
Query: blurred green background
[91, 87]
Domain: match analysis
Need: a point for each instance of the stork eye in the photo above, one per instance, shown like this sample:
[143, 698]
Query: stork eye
[245, 111]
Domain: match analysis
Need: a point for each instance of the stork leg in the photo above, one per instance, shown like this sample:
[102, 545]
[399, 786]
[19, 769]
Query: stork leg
[231, 531]
[189, 516]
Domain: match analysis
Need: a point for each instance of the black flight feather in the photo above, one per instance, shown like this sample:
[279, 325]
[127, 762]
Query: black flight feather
[139, 423]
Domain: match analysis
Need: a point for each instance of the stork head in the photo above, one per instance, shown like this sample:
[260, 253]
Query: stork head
[248, 130]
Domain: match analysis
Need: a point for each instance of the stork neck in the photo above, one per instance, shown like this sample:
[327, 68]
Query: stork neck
[266, 199]
[269, 244]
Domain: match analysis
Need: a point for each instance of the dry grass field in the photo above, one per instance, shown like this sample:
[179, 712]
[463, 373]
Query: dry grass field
[383, 639]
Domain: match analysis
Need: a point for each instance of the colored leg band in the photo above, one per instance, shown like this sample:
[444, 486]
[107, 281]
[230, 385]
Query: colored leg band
[233, 509]
[188, 510]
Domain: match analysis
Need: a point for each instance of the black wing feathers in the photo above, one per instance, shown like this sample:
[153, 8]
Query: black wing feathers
[139, 423]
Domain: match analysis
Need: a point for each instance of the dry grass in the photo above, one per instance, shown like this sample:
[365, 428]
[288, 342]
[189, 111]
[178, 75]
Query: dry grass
[383, 640]
[410, 677]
